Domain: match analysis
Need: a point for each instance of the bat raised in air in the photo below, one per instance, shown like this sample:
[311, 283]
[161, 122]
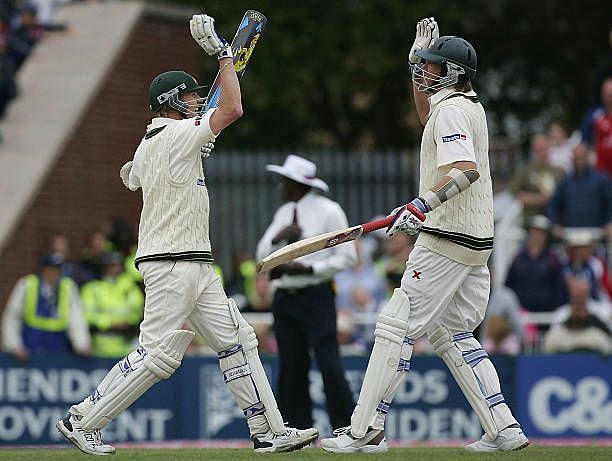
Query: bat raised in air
[320, 242]
[250, 29]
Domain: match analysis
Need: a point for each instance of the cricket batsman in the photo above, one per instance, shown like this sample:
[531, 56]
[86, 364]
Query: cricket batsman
[175, 260]
[445, 288]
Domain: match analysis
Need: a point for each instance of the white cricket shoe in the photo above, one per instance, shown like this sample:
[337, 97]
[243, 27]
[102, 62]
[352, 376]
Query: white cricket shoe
[508, 439]
[290, 440]
[372, 442]
[87, 440]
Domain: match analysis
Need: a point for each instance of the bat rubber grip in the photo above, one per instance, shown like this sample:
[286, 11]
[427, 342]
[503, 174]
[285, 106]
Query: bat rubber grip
[379, 224]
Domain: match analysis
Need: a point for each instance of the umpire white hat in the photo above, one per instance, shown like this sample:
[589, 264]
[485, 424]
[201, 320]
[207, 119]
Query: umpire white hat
[299, 170]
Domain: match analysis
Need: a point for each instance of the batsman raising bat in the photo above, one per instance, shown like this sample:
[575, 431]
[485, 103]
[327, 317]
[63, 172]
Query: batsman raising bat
[174, 258]
[445, 288]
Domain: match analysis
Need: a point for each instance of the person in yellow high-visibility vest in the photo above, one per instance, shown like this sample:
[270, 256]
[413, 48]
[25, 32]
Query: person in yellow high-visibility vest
[44, 314]
[114, 308]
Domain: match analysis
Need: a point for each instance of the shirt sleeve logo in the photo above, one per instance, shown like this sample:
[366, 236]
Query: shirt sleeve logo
[454, 137]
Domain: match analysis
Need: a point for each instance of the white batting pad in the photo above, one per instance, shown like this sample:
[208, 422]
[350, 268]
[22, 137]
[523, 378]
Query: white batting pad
[246, 378]
[385, 361]
[476, 376]
[158, 364]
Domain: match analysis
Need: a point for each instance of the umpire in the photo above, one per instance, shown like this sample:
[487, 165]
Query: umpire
[304, 308]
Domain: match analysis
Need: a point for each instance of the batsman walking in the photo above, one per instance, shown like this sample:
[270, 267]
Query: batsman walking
[174, 258]
[445, 287]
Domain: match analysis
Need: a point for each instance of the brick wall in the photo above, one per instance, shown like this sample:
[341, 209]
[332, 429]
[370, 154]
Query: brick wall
[83, 191]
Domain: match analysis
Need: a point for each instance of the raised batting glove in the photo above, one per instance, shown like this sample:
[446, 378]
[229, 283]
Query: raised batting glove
[407, 219]
[203, 32]
[207, 148]
[426, 32]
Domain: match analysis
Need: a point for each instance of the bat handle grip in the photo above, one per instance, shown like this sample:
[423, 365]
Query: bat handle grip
[378, 224]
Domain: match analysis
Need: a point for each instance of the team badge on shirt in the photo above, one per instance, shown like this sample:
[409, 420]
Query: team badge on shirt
[201, 182]
[454, 137]
[198, 120]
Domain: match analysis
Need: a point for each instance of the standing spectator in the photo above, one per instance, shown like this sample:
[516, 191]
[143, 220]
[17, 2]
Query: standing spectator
[597, 128]
[59, 245]
[24, 33]
[535, 182]
[303, 306]
[90, 265]
[535, 275]
[582, 331]
[561, 147]
[583, 198]
[113, 307]
[8, 87]
[44, 315]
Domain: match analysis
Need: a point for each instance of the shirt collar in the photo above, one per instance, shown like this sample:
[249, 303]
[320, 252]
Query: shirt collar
[444, 93]
[159, 121]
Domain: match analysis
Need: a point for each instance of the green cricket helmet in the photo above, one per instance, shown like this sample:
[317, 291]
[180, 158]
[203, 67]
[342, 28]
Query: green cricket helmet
[168, 86]
[454, 53]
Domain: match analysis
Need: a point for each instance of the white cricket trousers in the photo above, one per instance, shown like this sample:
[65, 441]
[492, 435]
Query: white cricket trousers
[182, 291]
[444, 291]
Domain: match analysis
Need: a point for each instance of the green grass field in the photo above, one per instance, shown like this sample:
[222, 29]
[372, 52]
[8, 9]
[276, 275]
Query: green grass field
[312, 454]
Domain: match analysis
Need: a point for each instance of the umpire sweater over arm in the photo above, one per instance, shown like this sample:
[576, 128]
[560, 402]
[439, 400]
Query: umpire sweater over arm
[456, 130]
[316, 215]
[175, 209]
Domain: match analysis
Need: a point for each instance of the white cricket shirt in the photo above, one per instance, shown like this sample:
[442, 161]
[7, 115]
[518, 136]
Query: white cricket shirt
[456, 130]
[175, 210]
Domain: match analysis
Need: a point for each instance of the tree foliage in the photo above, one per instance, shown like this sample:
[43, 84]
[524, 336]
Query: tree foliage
[335, 74]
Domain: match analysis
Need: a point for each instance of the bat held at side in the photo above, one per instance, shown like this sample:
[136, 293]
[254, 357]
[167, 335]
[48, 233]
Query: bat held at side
[320, 242]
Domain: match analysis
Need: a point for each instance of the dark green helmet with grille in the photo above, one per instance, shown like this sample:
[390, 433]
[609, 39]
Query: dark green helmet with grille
[454, 50]
[168, 86]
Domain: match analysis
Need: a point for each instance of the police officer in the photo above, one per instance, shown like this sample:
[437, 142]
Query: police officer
[44, 314]
[114, 308]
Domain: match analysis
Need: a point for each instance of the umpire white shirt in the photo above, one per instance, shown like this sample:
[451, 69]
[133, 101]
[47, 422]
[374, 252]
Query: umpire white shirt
[316, 215]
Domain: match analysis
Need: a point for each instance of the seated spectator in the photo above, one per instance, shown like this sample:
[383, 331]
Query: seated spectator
[360, 285]
[44, 315]
[582, 331]
[242, 286]
[597, 129]
[535, 182]
[114, 307]
[583, 198]
[499, 337]
[582, 262]
[349, 341]
[535, 275]
[561, 147]
[392, 263]
[502, 328]
[580, 289]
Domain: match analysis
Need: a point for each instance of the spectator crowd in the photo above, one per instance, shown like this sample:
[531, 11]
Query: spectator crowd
[23, 24]
[555, 296]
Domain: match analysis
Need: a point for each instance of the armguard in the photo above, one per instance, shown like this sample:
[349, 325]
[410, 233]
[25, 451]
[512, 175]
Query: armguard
[458, 181]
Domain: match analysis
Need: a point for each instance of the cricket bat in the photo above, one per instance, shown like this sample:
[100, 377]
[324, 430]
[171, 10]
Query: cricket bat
[250, 29]
[320, 242]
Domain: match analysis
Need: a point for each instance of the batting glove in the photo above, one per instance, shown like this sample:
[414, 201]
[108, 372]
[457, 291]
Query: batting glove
[207, 148]
[203, 32]
[426, 32]
[407, 219]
